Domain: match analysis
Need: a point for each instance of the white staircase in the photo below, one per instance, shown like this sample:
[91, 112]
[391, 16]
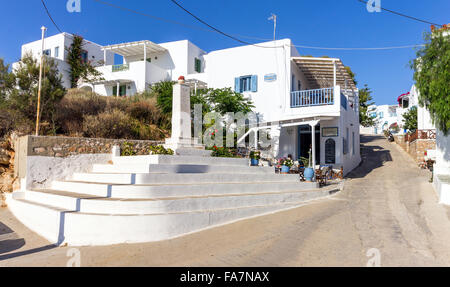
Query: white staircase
[151, 198]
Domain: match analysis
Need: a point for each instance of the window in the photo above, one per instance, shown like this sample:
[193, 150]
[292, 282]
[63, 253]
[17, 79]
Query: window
[84, 56]
[198, 65]
[246, 84]
[56, 52]
[353, 143]
[381, 114]
[299, 85]
[345, 143]
[293, 83]
[47, 52]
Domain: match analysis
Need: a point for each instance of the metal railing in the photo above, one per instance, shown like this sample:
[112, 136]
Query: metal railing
[307, 98]
[119, 68]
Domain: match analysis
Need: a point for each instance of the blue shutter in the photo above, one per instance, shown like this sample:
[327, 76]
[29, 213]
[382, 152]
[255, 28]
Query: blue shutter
[254, 83]
[237, 87]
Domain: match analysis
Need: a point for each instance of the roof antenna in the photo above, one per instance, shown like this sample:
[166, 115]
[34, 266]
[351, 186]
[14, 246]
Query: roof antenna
[274, 18]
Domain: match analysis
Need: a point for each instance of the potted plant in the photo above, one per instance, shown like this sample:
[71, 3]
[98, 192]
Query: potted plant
[309, 171]
[285, 164]
[255, 156]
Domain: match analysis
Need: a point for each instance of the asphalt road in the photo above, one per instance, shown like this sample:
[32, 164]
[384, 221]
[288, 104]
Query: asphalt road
[386, 215]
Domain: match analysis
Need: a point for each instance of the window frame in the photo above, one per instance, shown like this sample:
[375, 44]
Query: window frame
[245, 80]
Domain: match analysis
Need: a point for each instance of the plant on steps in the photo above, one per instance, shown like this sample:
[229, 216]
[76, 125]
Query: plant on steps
[160, 150]
[127, 149]
[255, 156]
[222, 152]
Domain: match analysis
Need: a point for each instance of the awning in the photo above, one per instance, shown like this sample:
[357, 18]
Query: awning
[320, 72]
[135, 48]
[196, 84]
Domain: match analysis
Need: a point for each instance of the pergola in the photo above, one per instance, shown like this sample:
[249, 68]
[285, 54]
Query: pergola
[134, 49]
[325, 72]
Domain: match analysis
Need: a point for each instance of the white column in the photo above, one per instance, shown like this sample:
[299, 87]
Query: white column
[181, 118]
[313, 143]
[104, 57]
[145, 66]
[118, 89]
[334, 74]
[256, 138]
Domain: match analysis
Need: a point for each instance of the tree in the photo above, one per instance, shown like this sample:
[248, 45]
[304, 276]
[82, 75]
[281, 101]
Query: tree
[6, 81]
[432, 76]
[80, 68]
[410, 119]
[23, 99]
[226, 100]
[164, 93]
[365, 98]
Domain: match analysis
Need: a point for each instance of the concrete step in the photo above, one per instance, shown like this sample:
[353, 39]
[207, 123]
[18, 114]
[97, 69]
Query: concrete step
[177, 168]
[81, 229]
[193, 152]
[177, 190]
[181, 159]
[181, 178]
[96, 205]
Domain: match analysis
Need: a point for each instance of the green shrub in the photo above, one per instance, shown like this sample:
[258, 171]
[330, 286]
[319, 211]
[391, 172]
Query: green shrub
[114, 125]
[160, 150]
[76, 105]
[127, 149]
[222, 152]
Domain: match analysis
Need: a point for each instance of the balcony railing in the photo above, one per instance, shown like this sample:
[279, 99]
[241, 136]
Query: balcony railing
[120, 68]
[309, 98]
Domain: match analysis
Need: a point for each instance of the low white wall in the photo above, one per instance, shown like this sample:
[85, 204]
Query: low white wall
[41, 170]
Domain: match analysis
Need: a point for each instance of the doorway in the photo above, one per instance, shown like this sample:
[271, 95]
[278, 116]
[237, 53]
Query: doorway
[122, 90]
[305, 140]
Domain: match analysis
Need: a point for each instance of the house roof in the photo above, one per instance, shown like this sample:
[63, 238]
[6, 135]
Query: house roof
[134, 48]
[320, 72]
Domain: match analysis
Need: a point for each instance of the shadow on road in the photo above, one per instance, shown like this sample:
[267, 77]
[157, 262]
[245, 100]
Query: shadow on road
[8, 240]
[372, 157]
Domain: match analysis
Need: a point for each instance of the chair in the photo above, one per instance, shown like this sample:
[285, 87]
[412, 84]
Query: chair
[322, 175]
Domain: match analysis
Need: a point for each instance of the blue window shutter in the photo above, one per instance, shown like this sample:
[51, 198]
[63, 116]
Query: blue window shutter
[237, 87]
[254, 83]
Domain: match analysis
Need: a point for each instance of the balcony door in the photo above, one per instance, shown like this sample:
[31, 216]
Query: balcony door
[122, 91]
[305, 140]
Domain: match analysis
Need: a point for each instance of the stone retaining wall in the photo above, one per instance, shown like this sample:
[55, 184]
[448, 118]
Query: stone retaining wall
[62, 147]
[68, 146]
[417, 148]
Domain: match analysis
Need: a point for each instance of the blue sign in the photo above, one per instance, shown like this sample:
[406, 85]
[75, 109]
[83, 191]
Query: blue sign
[270, 78]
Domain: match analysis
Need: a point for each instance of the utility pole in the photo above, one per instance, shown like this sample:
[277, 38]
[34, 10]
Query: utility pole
[43, 29]
[274, 18]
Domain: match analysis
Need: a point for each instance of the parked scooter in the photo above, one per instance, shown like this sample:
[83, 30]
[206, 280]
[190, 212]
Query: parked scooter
[390, 137]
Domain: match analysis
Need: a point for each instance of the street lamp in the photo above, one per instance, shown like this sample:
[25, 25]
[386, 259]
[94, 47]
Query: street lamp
[43, 29]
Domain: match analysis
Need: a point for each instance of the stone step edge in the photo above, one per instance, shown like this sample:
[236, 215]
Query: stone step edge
[56, 209]
[115, 199]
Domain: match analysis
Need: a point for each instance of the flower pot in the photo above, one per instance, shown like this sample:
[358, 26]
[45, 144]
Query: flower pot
[254, 162]
[285, 169]
[309, 174]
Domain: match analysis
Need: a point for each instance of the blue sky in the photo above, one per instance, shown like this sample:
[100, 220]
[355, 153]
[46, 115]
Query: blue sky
[326, 23]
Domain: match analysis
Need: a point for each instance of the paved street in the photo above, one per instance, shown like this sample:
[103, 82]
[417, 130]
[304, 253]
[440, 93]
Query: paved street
[387, 204]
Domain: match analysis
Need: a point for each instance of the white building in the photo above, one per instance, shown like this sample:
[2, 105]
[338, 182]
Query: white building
[302, 100]
[384, 117]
